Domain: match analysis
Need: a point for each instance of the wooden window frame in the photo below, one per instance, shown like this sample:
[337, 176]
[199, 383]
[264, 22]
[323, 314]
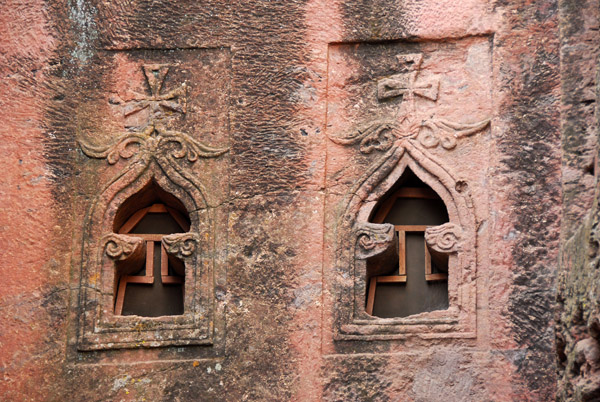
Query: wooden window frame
[150, 239]
[401, 230]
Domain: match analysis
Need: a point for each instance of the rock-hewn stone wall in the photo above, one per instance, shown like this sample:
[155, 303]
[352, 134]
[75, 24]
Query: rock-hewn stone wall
[285, 90]
[578, 319]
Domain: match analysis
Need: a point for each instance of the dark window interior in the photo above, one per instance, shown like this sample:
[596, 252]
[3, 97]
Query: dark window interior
[410, 206]
[157, 223]
[417, 211]
[156, 299]
[156, 288]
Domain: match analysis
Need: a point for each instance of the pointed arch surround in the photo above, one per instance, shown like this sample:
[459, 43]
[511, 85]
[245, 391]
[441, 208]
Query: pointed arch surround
[104, 248]
[367, 240]
[162, 120]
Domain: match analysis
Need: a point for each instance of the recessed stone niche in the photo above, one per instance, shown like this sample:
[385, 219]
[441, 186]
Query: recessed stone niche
[159, 146]
[397, 109]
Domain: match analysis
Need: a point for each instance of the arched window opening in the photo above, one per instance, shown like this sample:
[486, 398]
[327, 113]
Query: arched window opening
[416, 280]
[152, 283]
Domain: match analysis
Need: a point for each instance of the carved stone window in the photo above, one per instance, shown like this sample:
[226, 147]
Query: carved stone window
[151, 283]
[415, 279]
[395, 110]
[155, 222]
[380, 213]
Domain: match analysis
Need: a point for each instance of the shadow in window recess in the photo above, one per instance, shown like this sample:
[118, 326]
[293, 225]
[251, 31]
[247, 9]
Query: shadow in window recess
[411, 278]
[151, 282]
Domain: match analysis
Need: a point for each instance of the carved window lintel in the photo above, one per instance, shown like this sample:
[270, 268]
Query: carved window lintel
[121, 256]
[453, 240]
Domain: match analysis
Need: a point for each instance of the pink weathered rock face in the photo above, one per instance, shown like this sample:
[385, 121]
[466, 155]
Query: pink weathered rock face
[273, 133]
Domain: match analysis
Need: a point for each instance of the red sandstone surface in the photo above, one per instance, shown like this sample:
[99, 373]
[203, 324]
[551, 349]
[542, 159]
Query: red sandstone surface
[282, 150]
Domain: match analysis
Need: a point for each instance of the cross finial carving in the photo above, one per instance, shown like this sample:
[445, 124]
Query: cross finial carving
[158, 105]
[150, 138]
[408, 126]
[405, 84]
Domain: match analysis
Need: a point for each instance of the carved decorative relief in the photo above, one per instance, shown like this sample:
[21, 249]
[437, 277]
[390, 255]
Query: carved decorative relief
[121, 247]
[381, 135]
[445, 133]
[161, 146]
[154, 140]
[159, 103]
[409, 127]
[404, 83]
[181, 245]
[397, 106]
[444, 238]
[373, 239]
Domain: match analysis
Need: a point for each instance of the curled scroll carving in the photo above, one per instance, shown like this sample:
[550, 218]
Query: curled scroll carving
[121, 247]
[409, 126]
[381, 135]
[375, 136]
[181, 245]
[151, 142]
[437, 132]
[445, 238]
[374, 239]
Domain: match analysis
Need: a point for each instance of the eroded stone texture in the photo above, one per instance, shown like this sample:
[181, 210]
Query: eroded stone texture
[528, 194]
[279, 114]
[578, 328]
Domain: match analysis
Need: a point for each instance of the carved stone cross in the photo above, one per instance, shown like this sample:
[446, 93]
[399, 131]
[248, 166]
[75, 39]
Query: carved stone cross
[405, 84]
[408, 126]
[148, 137]
[158, 105]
